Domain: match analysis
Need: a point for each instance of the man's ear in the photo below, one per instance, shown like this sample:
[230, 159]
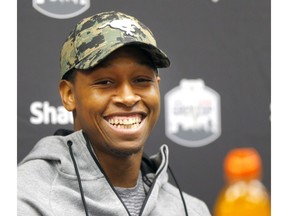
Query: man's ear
[158, 79]
[67, 94]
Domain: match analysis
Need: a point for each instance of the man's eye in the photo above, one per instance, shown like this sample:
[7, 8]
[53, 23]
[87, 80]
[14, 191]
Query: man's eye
[103, 82]
[142, 80]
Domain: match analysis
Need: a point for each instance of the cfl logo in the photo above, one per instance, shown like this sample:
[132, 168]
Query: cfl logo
[81, 2]
[61, 9]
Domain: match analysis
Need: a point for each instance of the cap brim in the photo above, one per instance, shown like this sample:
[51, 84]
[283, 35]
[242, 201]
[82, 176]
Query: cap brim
[159, 58]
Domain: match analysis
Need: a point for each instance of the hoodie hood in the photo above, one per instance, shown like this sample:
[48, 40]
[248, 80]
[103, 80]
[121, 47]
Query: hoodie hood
[55, 148]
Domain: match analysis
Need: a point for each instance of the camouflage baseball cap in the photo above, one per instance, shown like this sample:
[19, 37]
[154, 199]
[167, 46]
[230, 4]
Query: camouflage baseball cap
[95, 37]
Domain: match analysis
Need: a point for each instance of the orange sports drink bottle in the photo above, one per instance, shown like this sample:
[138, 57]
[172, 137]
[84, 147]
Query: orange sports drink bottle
[244, 194]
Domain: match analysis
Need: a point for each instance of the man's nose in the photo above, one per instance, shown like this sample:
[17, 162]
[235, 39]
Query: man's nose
[126, 95]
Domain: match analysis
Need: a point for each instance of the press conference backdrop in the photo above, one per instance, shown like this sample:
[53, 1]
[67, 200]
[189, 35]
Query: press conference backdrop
[215, 95]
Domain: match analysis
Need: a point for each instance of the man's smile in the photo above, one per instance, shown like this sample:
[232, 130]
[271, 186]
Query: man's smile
[125, 121]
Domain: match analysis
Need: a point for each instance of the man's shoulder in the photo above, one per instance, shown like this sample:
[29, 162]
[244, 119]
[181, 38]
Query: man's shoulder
[194, 204]
[51, 147]
[35, 170]
[41, 161]
[39, 164]
[49, 157]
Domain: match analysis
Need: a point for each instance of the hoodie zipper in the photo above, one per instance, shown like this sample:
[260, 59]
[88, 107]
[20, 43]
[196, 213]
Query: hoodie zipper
[98, 164]
[151, 188]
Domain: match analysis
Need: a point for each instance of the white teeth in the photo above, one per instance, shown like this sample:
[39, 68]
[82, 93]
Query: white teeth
[126, 123]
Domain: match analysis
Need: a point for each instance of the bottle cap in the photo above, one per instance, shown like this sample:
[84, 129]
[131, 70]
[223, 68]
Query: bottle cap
[242, 163]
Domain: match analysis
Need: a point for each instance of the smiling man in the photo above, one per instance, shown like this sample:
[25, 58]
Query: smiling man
[110, 82]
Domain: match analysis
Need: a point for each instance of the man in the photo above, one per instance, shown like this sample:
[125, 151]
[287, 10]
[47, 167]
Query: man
[110, 83]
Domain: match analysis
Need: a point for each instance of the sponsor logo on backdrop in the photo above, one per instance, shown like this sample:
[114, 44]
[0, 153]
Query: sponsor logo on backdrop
[61, 9]
[192, 114]
[45, 113]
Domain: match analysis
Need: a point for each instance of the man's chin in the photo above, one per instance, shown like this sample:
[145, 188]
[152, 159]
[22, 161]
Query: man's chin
[125, 152]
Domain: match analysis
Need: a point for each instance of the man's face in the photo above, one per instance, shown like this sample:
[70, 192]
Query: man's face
[118, 103]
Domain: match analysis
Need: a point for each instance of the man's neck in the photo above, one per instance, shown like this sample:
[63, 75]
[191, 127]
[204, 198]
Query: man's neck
[121, 171]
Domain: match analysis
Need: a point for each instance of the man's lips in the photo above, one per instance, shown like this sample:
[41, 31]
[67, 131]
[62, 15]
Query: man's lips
[125, 120]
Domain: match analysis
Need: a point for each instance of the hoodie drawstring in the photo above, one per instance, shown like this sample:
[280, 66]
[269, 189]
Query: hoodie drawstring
[70, 143]
[181, 194]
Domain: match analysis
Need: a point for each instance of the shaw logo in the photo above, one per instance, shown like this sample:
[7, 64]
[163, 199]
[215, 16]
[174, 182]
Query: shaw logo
[192, 114]
[61, 9]
[44, 113]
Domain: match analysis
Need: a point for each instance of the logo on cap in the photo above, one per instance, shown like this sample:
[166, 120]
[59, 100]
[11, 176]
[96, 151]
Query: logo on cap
[192, 114]
[126, 25]
[61, 9]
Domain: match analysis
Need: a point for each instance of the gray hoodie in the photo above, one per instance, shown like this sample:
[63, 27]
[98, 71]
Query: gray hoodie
[48, 184]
